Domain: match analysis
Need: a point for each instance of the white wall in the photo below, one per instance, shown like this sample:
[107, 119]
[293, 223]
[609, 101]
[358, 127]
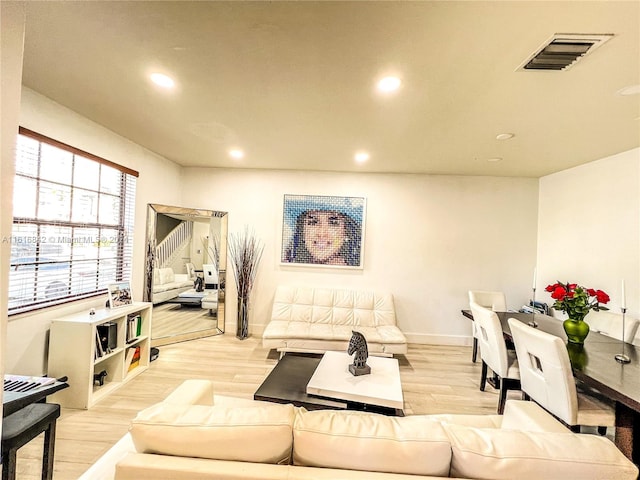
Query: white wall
[589, 228]
[12, 20]
[429, 239]
[199, 246]
[159, 182]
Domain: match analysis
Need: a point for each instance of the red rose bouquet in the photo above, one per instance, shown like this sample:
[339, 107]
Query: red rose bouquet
[575, 300]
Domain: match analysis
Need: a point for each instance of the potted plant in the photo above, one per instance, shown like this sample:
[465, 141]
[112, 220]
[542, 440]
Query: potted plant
[576, 301]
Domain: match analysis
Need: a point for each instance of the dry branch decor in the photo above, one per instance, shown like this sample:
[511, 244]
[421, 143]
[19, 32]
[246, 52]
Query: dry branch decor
[245, 251]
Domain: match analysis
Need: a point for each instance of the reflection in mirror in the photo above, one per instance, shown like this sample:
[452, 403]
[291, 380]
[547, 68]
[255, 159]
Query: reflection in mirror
[185, 272]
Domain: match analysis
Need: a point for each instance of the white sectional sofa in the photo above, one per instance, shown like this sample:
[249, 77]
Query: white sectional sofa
[306, 319]
[196, 435]
[167, 284]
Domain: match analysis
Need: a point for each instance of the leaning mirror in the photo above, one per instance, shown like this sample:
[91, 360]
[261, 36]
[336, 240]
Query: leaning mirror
[185, 272]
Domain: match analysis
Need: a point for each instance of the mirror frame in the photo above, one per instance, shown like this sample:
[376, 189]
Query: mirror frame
[153, 210]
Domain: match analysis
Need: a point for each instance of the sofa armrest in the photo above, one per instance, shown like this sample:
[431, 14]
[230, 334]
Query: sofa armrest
[192, 392]
[529, 416]
[104, 468]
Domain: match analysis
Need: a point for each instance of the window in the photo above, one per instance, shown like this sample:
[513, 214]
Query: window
[72, 229]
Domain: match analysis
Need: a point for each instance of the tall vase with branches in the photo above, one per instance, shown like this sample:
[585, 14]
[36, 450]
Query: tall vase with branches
[245, 252]
[213, 249]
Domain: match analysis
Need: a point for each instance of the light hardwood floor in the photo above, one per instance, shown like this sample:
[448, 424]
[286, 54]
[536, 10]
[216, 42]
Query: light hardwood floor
[435, 379]
[173, 322]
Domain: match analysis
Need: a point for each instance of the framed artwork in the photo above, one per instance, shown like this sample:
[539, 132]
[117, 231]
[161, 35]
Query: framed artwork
[323, 231]
[119, 294]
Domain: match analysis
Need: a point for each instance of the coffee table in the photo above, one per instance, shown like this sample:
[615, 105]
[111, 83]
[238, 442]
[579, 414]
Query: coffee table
[196, 299]
[188, 297]
[381, 387]
[287, 383]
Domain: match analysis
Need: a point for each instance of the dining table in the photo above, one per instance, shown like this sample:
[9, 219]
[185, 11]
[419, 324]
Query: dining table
[594, 364]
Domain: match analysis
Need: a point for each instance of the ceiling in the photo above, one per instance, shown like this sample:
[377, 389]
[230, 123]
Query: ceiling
[293, 83]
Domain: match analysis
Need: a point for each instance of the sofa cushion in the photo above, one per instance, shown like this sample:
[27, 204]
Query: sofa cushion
[138, 466]
[192, 392]
[166, 287]
[507, 454]
[165, 275]
[328, 331]
[256, 434]
[339, 307]
[351, 440]
[470, 420]
[313, 473]
[524, 415]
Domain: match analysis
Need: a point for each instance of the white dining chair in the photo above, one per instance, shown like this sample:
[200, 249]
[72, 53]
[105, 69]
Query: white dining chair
[492, 300]
[547, 378]
[609, 323]
[494, 353]
[191, 271]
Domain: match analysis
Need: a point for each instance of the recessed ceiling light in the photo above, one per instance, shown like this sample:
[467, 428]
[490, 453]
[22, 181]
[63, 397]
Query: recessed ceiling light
[630, 90]
[494, 159]
[389, 84]
[361, 157]
[236, 153]
[504, 136]
[162, 80]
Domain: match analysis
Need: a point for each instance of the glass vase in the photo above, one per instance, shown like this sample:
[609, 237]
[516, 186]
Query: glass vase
[576, 330]
[242, 325]
[577, 355]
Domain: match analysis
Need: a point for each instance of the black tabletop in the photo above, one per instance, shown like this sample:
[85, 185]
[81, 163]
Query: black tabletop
[287, 383]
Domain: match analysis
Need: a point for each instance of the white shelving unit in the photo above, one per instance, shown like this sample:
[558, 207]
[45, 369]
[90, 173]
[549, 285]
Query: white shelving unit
[72, 353]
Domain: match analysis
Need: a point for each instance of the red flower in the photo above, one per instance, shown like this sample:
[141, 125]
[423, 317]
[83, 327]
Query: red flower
[602, 297]
[576, 300]
[552, 287]
[559, 293]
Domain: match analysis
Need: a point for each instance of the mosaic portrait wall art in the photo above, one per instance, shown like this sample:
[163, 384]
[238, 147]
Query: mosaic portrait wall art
[323, 231]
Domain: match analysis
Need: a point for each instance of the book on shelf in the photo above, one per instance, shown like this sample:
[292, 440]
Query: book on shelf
[129, 357]
[108, 335]
[99, 351]
[134, 327]
[135, 357]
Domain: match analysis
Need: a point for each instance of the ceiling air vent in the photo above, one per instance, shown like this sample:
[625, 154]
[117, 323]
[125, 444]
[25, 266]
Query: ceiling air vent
[563, 50]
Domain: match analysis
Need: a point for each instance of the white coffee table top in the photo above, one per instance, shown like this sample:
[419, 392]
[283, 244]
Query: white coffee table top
[193, 294]
[381, 387]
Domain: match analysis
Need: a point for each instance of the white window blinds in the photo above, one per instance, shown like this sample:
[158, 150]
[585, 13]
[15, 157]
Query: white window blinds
[73, 216]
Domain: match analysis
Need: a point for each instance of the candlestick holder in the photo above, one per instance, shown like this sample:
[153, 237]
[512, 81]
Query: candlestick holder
[622, 357]
[533, 322]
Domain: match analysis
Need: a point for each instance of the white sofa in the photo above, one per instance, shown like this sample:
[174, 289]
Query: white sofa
[306, 319]
[167, 284]
[196, 435]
